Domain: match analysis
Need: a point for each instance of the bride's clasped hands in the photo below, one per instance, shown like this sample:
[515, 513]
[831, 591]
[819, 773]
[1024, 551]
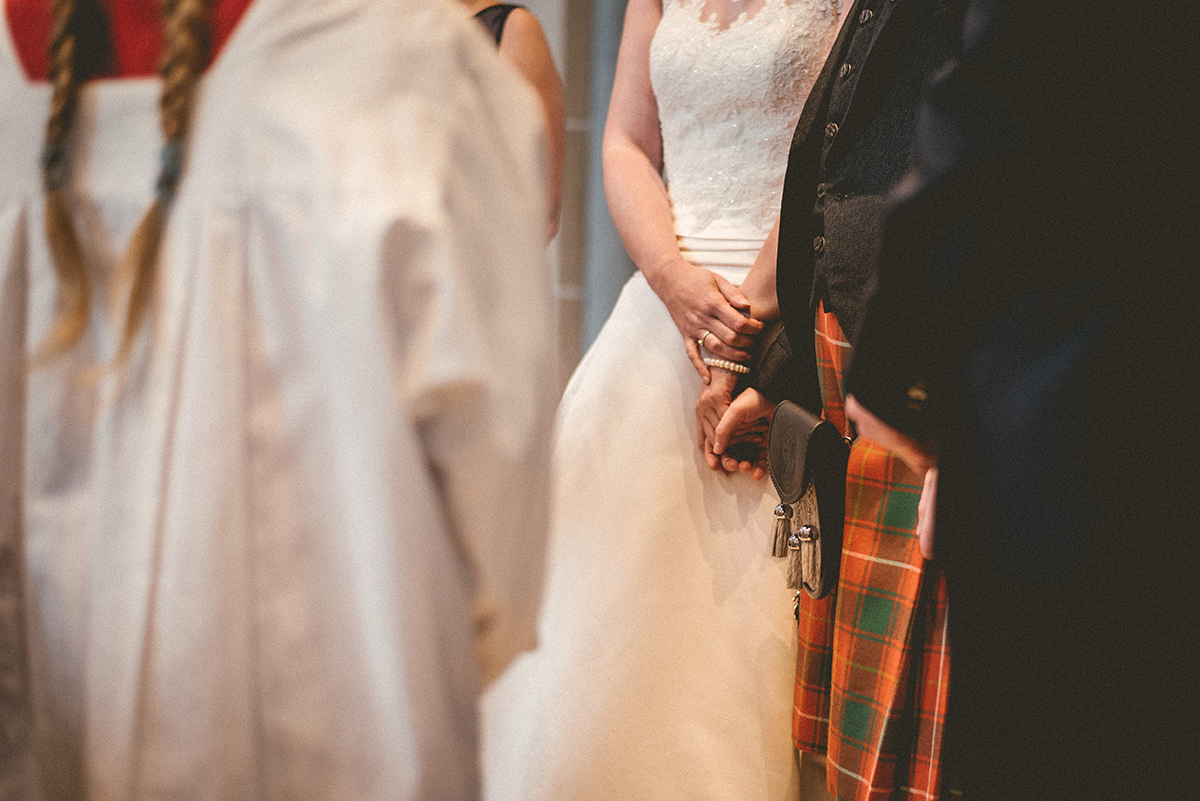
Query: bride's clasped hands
[732, 427]
[705, 308]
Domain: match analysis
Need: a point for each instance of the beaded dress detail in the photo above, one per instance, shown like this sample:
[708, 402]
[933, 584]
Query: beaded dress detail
[728, 99]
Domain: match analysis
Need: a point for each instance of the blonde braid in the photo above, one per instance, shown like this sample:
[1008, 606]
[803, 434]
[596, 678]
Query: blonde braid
[187, 29]
[65, 253]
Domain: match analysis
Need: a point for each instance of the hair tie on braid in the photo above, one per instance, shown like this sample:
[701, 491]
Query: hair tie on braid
[56, 167]
[171, 161]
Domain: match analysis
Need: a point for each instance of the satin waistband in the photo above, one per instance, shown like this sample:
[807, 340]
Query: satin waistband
[729, 258]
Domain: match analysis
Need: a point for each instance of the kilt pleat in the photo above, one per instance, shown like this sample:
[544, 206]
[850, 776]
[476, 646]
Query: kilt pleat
[882, 643]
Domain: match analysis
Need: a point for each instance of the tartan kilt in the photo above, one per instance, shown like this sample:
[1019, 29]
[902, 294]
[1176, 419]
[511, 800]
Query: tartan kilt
[874, 661]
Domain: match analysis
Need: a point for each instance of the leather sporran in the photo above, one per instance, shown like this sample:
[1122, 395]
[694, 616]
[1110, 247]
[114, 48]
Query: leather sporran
[807, 459]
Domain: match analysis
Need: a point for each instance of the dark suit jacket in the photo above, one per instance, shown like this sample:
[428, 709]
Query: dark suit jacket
[851, 146]
[1033, 318]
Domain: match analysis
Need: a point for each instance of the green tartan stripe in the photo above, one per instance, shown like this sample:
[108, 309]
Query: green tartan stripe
[876, 614]
[857, 718]
[900, 510]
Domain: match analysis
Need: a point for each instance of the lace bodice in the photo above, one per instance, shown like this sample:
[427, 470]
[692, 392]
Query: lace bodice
[728, 99]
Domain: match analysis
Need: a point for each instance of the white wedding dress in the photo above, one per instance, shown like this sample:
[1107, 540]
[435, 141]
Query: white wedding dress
[667, 651]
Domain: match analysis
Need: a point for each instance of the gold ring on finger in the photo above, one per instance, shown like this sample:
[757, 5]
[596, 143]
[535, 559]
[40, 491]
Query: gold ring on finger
[704, 336]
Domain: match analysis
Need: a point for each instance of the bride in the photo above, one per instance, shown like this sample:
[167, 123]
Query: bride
[666, 662]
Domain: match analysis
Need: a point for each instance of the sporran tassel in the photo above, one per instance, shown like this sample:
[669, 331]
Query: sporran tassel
[795, 571]
[783, 527]
[803, 545]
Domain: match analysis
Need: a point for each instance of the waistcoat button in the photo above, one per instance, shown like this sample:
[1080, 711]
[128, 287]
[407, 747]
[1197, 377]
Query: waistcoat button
[819, 244]
[865, 17]
[831, 130]
[845, 70]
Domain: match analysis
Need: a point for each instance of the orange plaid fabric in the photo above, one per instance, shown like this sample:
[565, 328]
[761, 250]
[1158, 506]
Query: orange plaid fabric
[810, 717]
[887, 653]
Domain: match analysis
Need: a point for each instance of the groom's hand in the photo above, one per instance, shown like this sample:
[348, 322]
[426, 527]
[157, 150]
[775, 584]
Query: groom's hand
[919, 457]
[746, 420]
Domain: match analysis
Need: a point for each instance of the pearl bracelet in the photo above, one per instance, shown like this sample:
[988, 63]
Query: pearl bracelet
[725, 364]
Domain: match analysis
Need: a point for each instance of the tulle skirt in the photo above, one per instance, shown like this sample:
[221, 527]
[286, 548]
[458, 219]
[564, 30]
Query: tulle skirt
[667, 642]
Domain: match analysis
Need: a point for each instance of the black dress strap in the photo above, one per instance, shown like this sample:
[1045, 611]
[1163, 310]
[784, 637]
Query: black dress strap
[494, 17]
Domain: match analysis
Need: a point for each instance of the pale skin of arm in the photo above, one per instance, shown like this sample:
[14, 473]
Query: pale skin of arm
[697, 299]
[523, 45]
